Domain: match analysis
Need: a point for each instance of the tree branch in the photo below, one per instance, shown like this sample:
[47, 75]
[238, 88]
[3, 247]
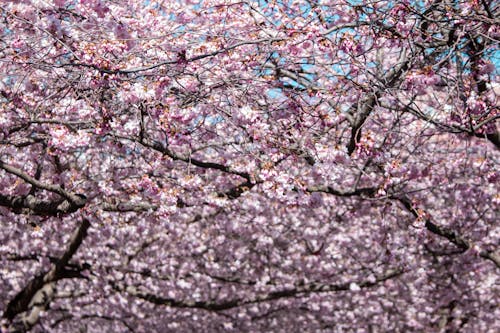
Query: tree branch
[188, 159]
[29, 204]
[75, 200]
[368, 191]
[129, 207]
[38, 293]
[359, 113]
[460, 241]
[298, 290]
[494, 137]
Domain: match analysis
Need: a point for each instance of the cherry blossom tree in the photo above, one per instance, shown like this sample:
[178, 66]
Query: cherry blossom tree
[249, 166]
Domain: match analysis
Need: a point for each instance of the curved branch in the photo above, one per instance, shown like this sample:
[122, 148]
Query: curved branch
[188, 159]
[298, 290]
[168, 62]
[460, 241]
[494, 137]
[77, 201]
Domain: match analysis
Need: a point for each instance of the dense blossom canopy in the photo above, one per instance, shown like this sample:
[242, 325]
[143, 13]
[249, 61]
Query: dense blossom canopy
[249, 166]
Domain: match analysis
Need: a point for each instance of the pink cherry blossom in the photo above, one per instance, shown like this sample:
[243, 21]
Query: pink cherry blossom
[249, 166]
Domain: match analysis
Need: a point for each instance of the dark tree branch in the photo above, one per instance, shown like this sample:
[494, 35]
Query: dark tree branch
[187, 159]
[487, 9]
[358, 113]
[298, 290]
[163, 63]
[129, 207]
[29, 204]
[236, 191]
[77, 201]
[494, 137]
[364, 191]
[37, 294]
[461, 242]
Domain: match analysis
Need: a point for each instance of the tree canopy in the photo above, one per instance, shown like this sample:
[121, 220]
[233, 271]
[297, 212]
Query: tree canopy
[249, 166]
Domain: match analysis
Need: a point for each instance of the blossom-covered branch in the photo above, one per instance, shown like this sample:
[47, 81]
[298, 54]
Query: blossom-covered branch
[35, 297]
